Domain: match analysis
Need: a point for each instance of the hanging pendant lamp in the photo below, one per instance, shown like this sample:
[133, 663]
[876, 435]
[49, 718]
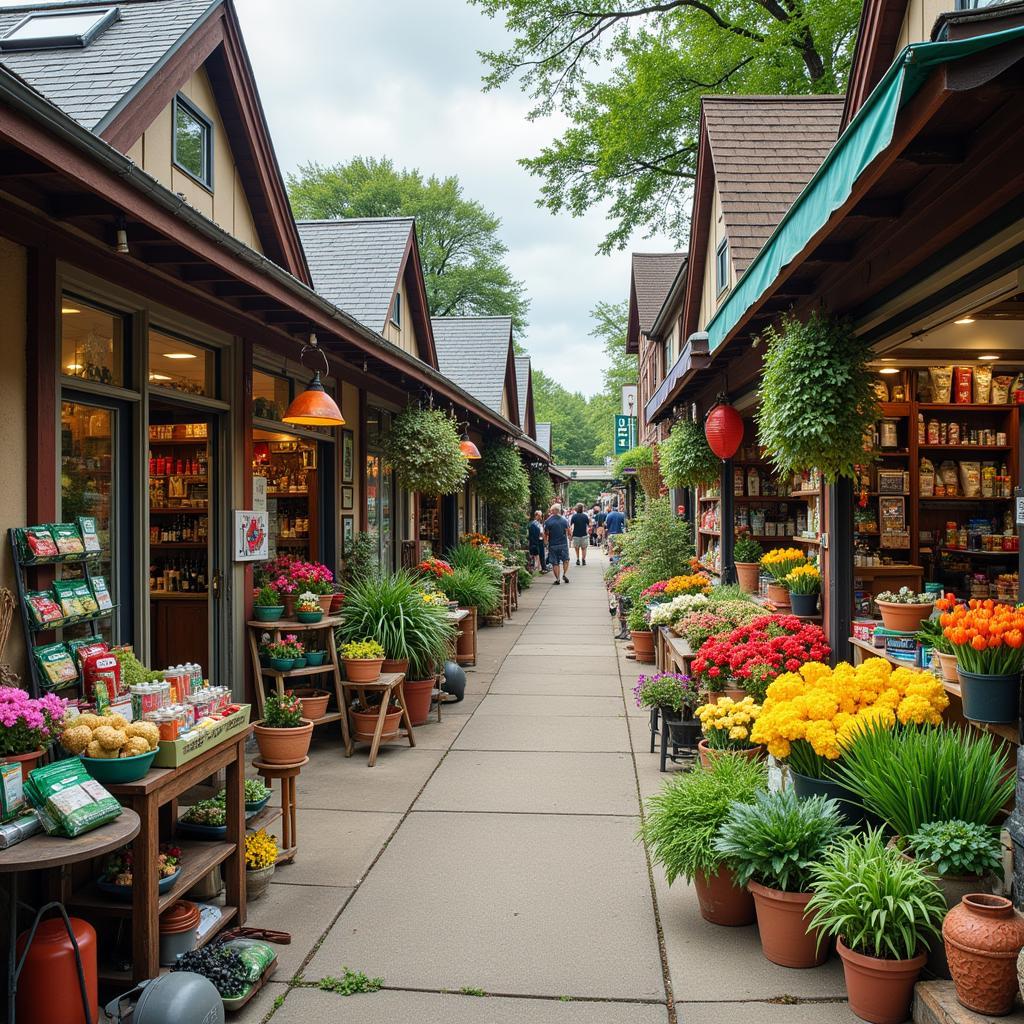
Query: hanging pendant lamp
[724, 429]
[314, 407]
[467, 447]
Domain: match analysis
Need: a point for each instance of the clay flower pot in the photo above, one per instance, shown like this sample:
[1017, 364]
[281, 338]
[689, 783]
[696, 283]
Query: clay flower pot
[880, 991]
[28, 761]
[903, 618]
[362, 670]
[394, 665]
[326, 600]
[289, 605]
[364, 723]
[786, 938]
[722, 901]
[643, 645]
[747, 575]
[417, 699]
[707, 754]
[283, 746]
[983, 937]
[947, 662]
[257, 881]
[314, 703]
[778, 595]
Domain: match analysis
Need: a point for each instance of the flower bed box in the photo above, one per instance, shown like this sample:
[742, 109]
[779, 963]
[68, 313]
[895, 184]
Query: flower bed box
[174, 753]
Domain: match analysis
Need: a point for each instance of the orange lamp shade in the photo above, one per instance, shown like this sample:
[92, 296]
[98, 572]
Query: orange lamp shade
[469, 449]
[314, 407]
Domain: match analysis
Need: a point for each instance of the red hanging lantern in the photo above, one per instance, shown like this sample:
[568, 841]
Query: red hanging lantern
[724, 430]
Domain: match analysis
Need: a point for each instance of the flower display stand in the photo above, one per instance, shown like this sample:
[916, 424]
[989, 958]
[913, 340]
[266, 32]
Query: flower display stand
[389, 686]
[286, 774]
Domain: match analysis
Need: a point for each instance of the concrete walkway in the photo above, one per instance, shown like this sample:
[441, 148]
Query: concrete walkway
[491, 876]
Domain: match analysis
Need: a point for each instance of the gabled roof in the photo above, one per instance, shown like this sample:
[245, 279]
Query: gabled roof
[544, 436]
[476, 352]
[651, 277]
[524, 387]
[877, 36]
[765, 149]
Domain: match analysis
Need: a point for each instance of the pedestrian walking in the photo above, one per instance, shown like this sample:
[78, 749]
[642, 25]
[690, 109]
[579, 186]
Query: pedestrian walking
[615, 523]
[597, 517]
[580, 524]
[556, 537]
[536, 532]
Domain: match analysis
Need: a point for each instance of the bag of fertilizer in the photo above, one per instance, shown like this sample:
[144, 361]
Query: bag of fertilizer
[68, 799]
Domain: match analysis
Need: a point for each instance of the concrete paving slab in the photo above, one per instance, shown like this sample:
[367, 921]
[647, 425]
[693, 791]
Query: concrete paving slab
[595, 685]
[569, 643]
[524, 917]
[307, 1005]
[435, 735]
[469, 703]
[554, 704]
[566, 663]
[542, 782]
[530, 732]
[336, 847]
[765, 1013]
[256, 1010]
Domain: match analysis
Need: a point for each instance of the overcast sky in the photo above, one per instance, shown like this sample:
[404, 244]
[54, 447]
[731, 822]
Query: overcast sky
[401, 78]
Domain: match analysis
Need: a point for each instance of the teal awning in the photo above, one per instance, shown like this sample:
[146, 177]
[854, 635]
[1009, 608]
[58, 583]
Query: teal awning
[866, 136]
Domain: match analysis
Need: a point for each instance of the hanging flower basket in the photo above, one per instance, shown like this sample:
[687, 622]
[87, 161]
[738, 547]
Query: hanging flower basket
[422, 448]
[686, 459]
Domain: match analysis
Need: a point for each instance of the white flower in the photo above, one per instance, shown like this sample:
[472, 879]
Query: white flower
[664, 614]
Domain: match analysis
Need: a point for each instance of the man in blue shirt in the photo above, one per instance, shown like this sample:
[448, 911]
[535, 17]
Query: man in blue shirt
[556, 536]
[536, 532]
[614, 523]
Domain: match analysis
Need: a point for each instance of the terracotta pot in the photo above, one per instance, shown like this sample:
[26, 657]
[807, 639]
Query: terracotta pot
[257, 881]
[288, 600]
[778, 595]
[417, 699]
[326, 600]
[947, 662]
[336, 600]
[722, 901]
[786, 939]
[314, 702]
[880, 991]
[735, 693]
[747, 575]
[465, 643]
[643, 645]
[283, 746]
[365, 722]
[904, 618]
[392, 665]
[28, 761]
[707, 754]
[983, 937]
[362, 670]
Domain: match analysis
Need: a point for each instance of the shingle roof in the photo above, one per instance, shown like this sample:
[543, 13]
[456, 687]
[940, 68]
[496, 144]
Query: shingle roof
[91, 84]
[522, 386]
[473, 352]
[544, 436]
[653, 274]
[356, 262]
[765, 149]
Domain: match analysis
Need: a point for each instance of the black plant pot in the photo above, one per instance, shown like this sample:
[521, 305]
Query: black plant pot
[684, 732]
[454, 681]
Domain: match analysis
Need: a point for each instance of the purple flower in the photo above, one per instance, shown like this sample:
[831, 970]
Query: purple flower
[27, 724]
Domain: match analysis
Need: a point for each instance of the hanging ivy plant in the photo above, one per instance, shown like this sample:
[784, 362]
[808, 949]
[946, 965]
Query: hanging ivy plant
[686, 460]
[501, 479]
[636, 458]
[817, 401]
[542, 492]
[422, 448]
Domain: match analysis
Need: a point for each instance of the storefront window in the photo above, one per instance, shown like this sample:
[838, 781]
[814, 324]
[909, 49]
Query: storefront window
[379, 489]
[91, 342]
[181, 365]
[270, 395]
[289, 465]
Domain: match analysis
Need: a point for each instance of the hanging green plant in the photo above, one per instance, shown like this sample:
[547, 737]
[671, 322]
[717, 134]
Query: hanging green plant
[686, 460]
[636, 458]
[501, 479]
[422, 448]
[817, 401]
[542, 492]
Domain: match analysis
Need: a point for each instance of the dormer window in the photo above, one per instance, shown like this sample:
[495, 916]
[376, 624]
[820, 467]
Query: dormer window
[193, 142]
[396, 310]
[722, 267]
[60, 30]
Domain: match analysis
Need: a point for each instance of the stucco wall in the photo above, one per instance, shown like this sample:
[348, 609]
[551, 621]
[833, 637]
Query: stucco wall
[918, 21]
[405, 335]
[710, 296]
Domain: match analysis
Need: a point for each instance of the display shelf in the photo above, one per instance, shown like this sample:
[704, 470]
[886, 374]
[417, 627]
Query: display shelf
[958, 497]
[805, 494]
[806, 540]
[177, 440]
[179, 595]
[893, 410]
[756, 499]
[885, 453]
[710, 497]
[709, 533]
[306, 670]
[185, 510]
[964, 448]
[79, 620]
[982, 554]
[965, 407]
[287, 494]
[198, 478]
[179, 545]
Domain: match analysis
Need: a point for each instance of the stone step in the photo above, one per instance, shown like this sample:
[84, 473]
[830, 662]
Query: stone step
[935, 1003]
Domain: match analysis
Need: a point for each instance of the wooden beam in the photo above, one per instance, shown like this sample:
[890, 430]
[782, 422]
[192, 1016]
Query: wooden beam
[888, 208]
[257, 302]
[832, 252]
[937, 152]
[166, 254]
[67, 207]
[204, 274]
[235, 289]
[17, 164]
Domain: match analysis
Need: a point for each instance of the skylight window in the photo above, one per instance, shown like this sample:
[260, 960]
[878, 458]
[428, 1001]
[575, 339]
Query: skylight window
[58, 31]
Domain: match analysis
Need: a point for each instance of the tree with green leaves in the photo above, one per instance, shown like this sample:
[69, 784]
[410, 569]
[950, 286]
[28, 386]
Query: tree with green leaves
[463, 255]
[573, 437]
[628, 75]
[610, 324]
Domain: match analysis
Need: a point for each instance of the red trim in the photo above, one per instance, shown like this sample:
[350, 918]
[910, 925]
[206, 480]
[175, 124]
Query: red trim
[511, 386]
[411, 271]
[877, 34]
[360, 474]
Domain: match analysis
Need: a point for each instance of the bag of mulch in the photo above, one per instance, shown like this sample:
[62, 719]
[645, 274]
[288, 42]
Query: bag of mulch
[70, 802]
[257, 956]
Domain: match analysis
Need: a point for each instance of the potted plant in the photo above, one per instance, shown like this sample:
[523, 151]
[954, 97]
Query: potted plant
[313, 578]
[314, 702]
[727, 726]
[285, 653]
[804, 585]
[772, 844]
[422, 447]
[680, 826]
[686, 459]
[932, 636]
[283, 735]
[989, 675]
[362, 660]
[260, 862]
[315, 658]
[779, 563]
[268, 607]
[746, 555]
[307, 608]
[903, 610]
[28, 726]
[882, 910]
[641, 634]
[674, 696]
[364, 721]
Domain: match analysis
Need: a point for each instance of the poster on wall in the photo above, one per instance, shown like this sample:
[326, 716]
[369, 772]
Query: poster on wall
[348, 456]
[348, 535]
[251, 536]
[259, 493]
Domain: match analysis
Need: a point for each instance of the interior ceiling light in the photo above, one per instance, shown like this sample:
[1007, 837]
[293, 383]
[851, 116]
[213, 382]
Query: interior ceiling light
[74, 367]
[965, 320]
[988, 359]
[179, 355]
[159, 376]
[69, 309]
[888, 359]
[314, 407]
[889, 369]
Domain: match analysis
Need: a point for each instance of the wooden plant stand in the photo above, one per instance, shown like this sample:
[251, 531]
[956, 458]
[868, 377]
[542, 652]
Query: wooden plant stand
[287, 774]
[389, 686]
[465, 641]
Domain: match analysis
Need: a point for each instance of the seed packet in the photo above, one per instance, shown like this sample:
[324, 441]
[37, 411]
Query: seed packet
[86, 598]
[90, 538]
[12, 793]
[37, 544]
[69, 801]
[56, 664]
[64, 592]
[43, 608]
[102, 595]
[68, 539]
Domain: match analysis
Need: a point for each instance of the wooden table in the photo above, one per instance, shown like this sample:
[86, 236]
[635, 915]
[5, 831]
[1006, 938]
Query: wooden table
[389, 686]
[45, 853]
[154, 798]
[281, 627]
[509, 590]
[287, 773]
[465, 637]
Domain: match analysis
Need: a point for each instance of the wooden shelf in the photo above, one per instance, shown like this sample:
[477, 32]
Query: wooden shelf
[806, 540]
[181, 545]
[178, 440]
[953, 407]
[984, 554]
[884, 453]
[196, 477]
[709, 533]
[190, 510]
[805, 494]
[710, 497]
[178, 595]
[964, 447]
[766, 497]
[287, 494]
[307, 670]
[893, 410]
[959, 497]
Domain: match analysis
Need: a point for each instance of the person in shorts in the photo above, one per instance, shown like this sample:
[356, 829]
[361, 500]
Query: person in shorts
[536, 532]
[599, 518]
[556, 537]
[580, 525]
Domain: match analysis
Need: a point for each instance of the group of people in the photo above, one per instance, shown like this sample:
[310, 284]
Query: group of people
[551, 538]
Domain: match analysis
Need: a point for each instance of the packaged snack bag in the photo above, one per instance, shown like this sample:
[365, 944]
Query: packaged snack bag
[1001, 390]
[970, 479]
[68, 539]
[43, 608]
[56, 664]
[37, 544]
[102, 595]
[962, 381]
[982, 385]
[86, 647]
[102, 675]
[65, 593]
[942, 380]
[90, 538]
[86, 599]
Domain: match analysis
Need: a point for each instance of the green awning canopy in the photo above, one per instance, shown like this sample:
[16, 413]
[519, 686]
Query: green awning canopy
[866, 136]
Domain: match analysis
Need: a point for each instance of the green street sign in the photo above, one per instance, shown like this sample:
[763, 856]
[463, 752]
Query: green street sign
[625, 434]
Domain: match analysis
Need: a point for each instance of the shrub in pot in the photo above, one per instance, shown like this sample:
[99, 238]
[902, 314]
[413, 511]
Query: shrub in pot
[674, 696]
[269, 607]
[746, 554]
[422, 447]
[472, 588]
[307, 607]
[804, 585]
[680, 826]
[283, 735]
[686, 459]
[772, 844]
[362, 660]
[287, 653]
[882, 909]
[260, 862]
[904, 610]
[641, 633]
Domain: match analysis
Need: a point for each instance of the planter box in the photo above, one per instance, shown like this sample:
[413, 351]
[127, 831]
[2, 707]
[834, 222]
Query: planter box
[174, 753]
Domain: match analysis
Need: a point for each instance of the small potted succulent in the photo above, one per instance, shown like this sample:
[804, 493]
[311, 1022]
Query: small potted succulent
[746, 554]
[283, 735]
[904, 610]
[641, 634]
[362, 660]
[307, 607]
[269, 607]
[284, 654]
[804, 585]
[260, 862]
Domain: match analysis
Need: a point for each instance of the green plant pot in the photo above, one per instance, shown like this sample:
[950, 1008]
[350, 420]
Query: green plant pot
[309, 616]
[803, 604]
[853, 813]
[282, 664]
[299, 662]
[986, 698]
[268, 612]
[315, 658]
[265, 660]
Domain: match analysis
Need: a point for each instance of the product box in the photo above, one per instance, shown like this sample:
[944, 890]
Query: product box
[174, 753]
[12, 793]
[897, 643]
[863, 629]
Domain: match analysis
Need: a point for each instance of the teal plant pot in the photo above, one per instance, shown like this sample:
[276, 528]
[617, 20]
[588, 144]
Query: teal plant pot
[268, 612]
[803, 604]
[315, 658]
[993, 699]
[309, 616]
[282, 664]
[299, 662]
[265, 660]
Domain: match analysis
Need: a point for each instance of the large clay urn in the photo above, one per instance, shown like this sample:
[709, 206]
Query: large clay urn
[983, 937]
